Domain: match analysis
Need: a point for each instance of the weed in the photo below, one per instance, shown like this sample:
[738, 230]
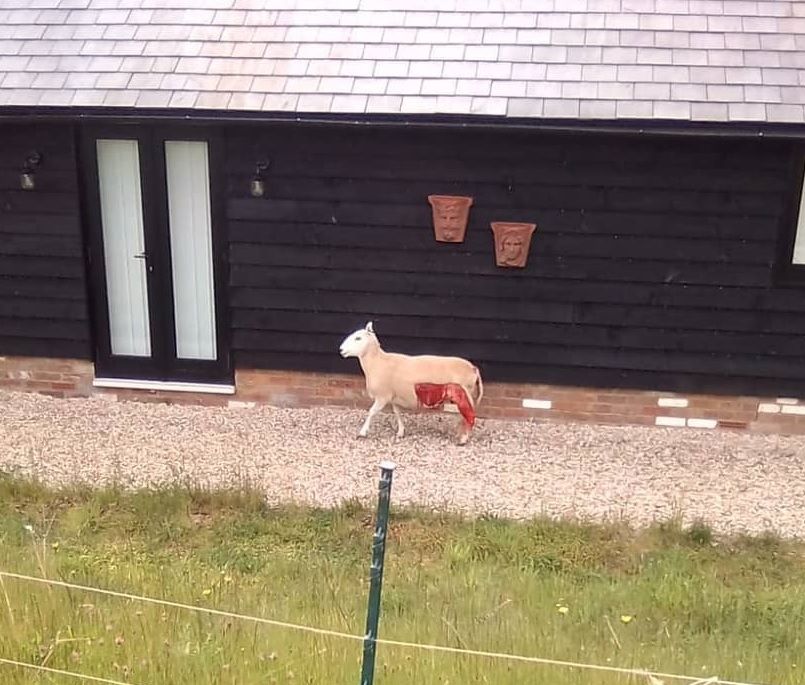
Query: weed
[668, 598]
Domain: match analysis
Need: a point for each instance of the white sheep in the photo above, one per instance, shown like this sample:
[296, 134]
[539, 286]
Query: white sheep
[392, 377]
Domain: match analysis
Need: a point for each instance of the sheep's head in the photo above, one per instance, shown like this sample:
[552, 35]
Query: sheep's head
[356, 344]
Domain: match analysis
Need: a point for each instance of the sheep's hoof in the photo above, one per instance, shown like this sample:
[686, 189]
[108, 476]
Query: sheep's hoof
[361, 435]
[462, 440]
[400, 434]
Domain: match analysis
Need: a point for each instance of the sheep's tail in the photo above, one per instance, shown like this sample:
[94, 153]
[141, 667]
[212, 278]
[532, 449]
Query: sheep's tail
[479, 384]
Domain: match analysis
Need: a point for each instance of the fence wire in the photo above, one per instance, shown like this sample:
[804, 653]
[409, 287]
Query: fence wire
[692, 680]
[70, 674]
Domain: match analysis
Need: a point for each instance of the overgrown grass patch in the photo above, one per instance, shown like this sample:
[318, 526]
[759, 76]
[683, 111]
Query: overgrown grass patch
[669, 598]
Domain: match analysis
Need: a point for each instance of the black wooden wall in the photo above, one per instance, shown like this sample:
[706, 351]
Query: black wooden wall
[43, 310]
[651, 266]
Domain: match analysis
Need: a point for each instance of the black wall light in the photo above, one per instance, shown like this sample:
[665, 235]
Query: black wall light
[257, 185]
[27, 181]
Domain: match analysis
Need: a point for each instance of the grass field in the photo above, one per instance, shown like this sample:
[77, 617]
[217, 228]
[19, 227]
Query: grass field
[666, 599]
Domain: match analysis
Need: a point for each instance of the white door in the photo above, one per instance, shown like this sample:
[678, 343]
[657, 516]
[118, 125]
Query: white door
[158, 310]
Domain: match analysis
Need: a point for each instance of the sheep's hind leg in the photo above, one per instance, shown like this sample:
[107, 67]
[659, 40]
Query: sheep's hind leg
[376, 407]
[400, 427]
[463, 434]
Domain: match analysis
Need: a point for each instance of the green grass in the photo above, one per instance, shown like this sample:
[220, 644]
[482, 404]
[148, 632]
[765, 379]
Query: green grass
[699, 605]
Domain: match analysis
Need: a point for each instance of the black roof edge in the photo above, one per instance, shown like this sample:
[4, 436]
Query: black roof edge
[663, 127]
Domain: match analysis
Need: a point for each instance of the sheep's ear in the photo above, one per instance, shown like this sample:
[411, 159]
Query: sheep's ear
[369, 328]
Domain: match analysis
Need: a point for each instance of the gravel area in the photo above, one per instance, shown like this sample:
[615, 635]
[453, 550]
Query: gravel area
[733, 481]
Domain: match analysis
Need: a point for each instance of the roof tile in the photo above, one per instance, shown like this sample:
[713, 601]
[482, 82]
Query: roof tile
[187, 99]
[634, 109]
[354, 67]
[636, 39]
[562, 108]
[491, 106]
[700, 59]
[544, 89]
[672, 110]
[793, 95]
[690, 57]
[349, 103]
[448, 52]
[384, 103]
[587, 21]
[586, 55]
[114, 80]
[145, 81]
[621, 21]
[88, 98]
[476, 87]
[494, 70]
[600, 37]
[404, 86]
[567, 37]
[371, 86]
[425, 69]
[220, 100]
[742, 111]
[453, 104]
[153, 98]
[712, 111]
[598, 109]
[782, 77]
[789, 113]
[526, 107]
[763, 93]
[510, 89]
[778, 41]
[248, 100]
[325, 67]
[59, 98]
[525, 72]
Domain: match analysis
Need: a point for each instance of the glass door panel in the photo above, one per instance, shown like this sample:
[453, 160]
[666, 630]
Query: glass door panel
[124, 247]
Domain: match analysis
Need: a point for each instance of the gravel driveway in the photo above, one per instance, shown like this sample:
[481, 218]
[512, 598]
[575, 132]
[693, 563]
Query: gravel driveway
[733, 481]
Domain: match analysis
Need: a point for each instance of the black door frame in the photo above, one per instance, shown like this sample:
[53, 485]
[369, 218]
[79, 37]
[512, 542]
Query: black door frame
[163, 365]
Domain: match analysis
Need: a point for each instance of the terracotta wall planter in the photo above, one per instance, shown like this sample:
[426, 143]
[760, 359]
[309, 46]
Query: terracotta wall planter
[450, 214]
[512, 242]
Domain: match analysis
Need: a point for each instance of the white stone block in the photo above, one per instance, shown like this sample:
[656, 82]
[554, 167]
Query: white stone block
[537, 404]
[768, 408]
[702, 423]
[669, 421]
[680, 402]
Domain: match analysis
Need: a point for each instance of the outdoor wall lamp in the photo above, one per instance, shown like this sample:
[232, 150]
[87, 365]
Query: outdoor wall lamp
[257, 185]
[28, 171]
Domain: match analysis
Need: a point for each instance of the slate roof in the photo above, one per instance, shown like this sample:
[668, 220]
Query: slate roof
[719, 60]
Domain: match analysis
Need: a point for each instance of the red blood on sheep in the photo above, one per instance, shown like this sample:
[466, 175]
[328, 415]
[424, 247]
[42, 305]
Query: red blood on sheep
[434, 395]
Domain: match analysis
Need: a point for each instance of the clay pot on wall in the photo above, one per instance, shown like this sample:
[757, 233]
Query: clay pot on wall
[512, 242]
[450, 214]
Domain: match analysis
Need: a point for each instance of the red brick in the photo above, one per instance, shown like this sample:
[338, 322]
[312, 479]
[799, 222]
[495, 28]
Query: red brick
[61, 377]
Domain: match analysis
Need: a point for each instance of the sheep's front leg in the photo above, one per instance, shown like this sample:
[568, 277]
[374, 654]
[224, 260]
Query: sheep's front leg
[376, 407]
[400, 428]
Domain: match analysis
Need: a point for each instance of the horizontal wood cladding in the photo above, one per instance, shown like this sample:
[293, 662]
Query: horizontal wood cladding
[651, 265]
[43, 307]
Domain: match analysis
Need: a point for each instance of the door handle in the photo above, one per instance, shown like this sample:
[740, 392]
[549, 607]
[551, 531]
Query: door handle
[143, 255]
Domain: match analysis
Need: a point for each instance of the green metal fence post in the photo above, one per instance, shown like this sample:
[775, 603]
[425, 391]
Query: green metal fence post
[376, 573]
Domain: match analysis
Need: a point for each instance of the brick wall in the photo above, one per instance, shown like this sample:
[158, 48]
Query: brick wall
[57, 377]
[549, 402]
[73, 378]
